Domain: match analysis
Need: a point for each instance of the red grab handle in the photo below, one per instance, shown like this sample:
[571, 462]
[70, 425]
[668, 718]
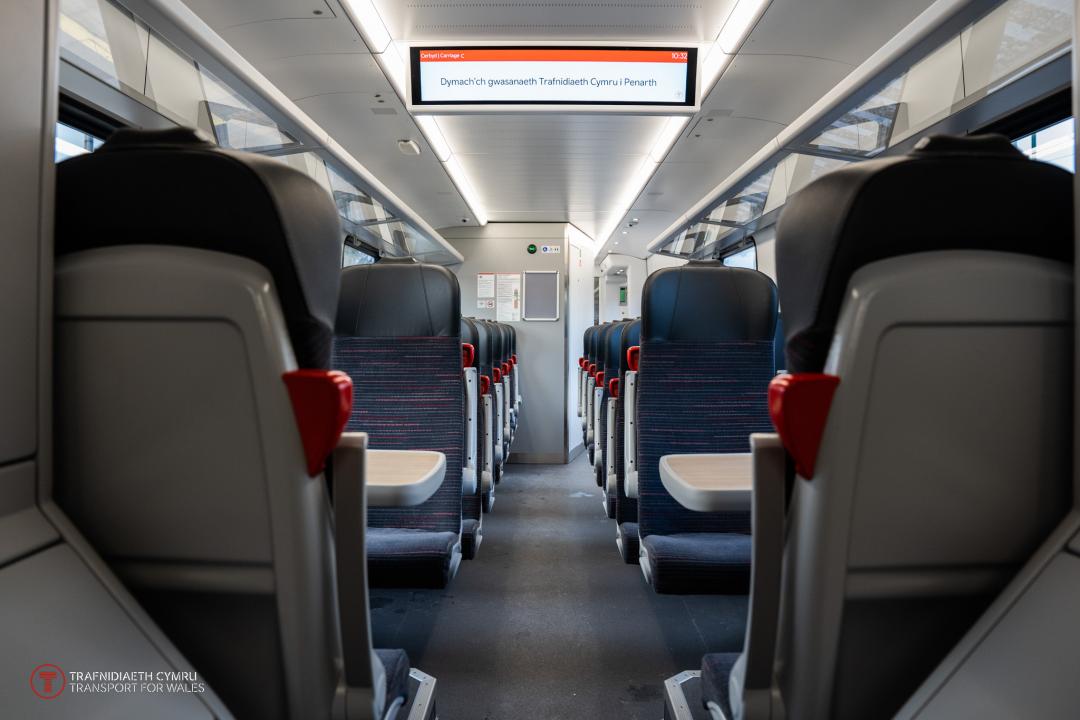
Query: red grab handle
[468, 354]
[613, 387]
[799, 407]
[485, 384]
[633, 357]
[322, 402]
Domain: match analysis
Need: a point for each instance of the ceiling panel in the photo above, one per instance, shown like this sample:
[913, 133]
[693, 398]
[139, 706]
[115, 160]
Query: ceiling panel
[602, 20]
[304, 76]
[550, 167]
[225, 13]
[262, 41]
[749, 87]
[848, 31]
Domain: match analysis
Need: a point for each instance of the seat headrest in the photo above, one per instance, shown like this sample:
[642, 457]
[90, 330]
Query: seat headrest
[173, 187]
[950, 193]
[483, 346]
[597, 352]
[398, 299]
[708, 302]
[468, 332]
[631, 336]
[614, 358]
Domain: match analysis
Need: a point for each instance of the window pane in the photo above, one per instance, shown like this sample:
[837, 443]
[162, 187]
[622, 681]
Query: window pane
[71, 142]
[352, 256]
[1055, 145]
[745, 258]
[747, 205]
[234, 122]
[807, 168]
[864, 131]
[105, 41]
[930, 90]
[173, 83]
[355, 205]
[1013, 37]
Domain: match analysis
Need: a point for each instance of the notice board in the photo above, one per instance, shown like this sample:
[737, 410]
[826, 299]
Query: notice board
[541, 292]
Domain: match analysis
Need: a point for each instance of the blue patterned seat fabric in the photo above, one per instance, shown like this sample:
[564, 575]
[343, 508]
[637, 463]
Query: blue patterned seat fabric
[398, 336]
[702, 388]
[689, 563]
[406, 557]
[396, 665]
[715, 671]
[407, 395]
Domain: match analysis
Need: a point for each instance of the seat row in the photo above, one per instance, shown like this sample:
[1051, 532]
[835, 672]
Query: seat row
[240, 422]
[914, 456]
[426, 378]
[680, 380]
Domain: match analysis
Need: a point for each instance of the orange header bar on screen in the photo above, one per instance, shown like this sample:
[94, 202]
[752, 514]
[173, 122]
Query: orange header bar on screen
[550, 55]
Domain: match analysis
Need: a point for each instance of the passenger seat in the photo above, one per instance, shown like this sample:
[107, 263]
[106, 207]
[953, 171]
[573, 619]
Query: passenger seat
[706, 361]
[398, 336]
[927, 423]
[191, 285]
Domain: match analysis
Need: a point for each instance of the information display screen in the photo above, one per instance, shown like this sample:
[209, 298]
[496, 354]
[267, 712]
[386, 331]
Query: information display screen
[664, 77]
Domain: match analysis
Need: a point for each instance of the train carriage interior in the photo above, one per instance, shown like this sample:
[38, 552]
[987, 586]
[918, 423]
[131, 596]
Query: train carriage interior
[515, 360]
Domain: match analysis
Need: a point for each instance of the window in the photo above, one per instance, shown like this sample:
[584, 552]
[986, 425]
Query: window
[1055, 144]
[354, 255]
[865, 130]
[745, 258]
[71, 142]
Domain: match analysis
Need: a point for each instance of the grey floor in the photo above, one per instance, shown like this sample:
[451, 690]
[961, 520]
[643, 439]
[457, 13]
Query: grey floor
[547, 622]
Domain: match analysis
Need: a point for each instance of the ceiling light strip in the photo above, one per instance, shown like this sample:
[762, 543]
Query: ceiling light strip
[392, 58]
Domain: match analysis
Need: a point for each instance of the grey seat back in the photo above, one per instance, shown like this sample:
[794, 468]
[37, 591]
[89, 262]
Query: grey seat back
[189, 281]
[945, 458]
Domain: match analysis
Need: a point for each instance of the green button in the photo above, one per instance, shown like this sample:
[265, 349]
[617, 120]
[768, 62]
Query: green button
[532, 249]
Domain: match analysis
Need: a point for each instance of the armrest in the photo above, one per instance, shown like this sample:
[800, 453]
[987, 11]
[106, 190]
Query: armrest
[487, 443]
[357, 695]
[629, 390]
[752, 678]
[470, 472]
[609, 457]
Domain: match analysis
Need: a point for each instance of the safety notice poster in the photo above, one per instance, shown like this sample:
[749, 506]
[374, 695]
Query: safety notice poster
[485, 285]
[508, 297]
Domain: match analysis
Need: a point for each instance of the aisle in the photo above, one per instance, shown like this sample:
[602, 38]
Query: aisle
[547, 622]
